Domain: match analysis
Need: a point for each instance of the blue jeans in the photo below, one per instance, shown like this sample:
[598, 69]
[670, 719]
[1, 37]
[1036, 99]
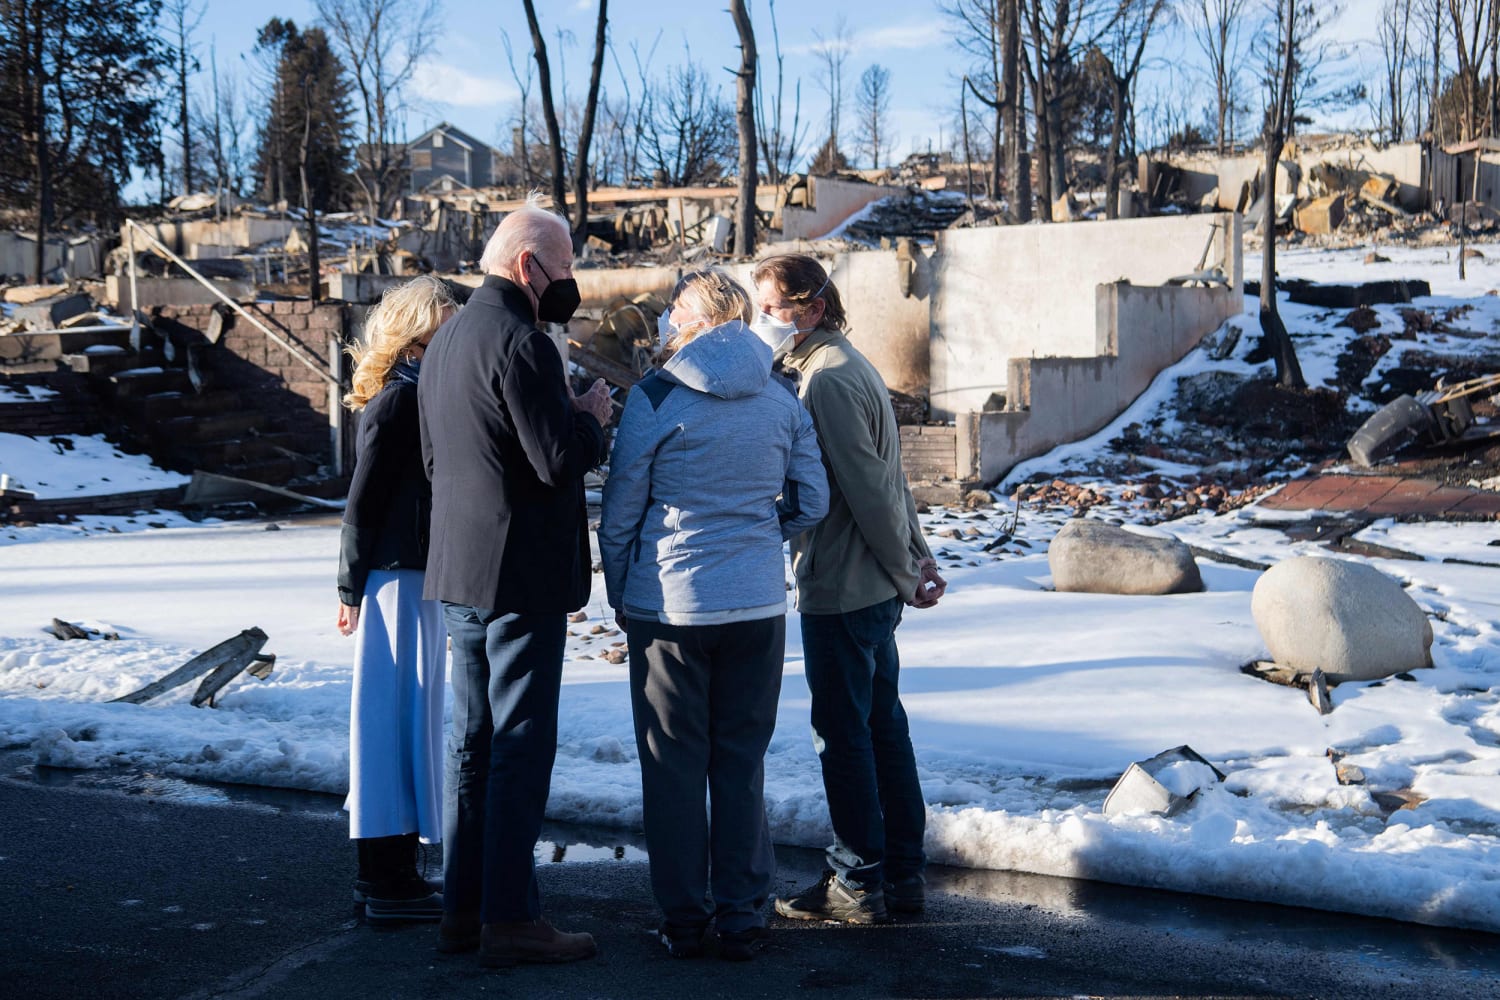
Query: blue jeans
[864, 745]
[507, 670]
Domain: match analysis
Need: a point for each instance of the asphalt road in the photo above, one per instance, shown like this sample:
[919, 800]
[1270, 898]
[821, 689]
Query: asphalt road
[115, 895]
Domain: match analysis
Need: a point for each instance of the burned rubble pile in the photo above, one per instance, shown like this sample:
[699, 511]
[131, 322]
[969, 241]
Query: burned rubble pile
[917, 214]
[1226, 439]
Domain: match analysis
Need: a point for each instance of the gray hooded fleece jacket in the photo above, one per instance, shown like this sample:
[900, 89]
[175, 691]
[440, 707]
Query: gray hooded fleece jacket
[692, 524]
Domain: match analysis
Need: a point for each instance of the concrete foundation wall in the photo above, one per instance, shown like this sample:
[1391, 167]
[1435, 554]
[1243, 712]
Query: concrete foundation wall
[239, 231]
[152, 292]
[1027, 292]
[831, 201]
[78, 258]
[1057, 400]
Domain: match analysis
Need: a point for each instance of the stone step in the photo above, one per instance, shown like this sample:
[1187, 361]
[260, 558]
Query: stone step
[215, 456]
[134, 383]
[102, 360]
[195, 428]
[275, 471]
[163, 406]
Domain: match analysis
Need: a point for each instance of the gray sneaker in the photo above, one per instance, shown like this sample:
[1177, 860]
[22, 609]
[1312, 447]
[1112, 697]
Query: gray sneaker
[832, 899]
[906, 895]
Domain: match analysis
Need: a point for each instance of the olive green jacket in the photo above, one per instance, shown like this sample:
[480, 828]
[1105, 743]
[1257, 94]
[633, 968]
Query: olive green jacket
[867, 549]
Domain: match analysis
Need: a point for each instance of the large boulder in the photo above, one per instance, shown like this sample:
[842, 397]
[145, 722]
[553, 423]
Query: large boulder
[1095, 558]
[1346, 618]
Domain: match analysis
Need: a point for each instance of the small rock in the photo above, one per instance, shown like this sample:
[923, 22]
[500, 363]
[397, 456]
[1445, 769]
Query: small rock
[1317, 693]
[615, 656]
[949, 533]
[1472, 253]
[578, 616]
[598, 630]
[273, 527]
[1376, 258]
[976, 499]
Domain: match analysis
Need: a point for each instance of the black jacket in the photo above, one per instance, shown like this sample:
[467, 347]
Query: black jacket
[506, 451]
[385, 520]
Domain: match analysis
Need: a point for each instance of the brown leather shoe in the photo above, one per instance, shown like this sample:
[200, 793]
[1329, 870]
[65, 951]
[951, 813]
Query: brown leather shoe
[502, 945]
[458, 933]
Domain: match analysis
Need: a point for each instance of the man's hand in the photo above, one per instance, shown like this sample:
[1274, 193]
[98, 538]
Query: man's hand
[348, 618]
[930, 588]
[596, 402]
[622, 622]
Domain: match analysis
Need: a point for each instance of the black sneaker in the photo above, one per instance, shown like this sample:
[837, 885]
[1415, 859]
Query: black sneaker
[831, 899]
[906, 895]
[740, 946]
[681, 942]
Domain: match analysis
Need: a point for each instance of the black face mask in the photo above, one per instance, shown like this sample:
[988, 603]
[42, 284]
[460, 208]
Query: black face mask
[558, 303]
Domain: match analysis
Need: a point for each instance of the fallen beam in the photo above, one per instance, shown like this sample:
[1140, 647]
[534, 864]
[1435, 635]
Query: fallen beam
[241, 648]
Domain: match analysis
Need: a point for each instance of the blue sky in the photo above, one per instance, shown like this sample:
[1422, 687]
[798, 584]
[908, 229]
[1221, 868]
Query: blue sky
[469, 82]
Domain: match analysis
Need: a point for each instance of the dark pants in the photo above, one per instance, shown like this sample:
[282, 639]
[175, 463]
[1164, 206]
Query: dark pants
[861, 737]
[705, 698]
[507, 669]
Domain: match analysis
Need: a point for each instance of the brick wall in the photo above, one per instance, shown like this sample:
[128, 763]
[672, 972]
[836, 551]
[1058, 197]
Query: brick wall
[74, 410]
[269, 374]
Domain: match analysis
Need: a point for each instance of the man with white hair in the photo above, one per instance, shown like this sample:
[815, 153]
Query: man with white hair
[506, 444]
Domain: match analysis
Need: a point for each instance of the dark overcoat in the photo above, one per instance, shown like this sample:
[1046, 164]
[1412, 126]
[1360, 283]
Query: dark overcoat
[386, 515]
[506, 451]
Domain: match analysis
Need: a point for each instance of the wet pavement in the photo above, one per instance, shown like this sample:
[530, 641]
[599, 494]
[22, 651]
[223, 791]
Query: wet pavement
[128, 884]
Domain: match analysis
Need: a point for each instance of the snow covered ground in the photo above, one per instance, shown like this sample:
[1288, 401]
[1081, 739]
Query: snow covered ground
[1025, 704]
[69, 465]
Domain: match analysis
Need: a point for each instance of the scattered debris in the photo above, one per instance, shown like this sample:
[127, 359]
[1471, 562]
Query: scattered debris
[67, 630]
[1164, 785]
[1442, 416]
[1317, 692]
[1347, 773]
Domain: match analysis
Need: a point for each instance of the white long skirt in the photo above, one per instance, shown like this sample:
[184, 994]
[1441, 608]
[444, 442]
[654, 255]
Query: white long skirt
[396, 718]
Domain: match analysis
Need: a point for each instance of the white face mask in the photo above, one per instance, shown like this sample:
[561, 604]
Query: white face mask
[665, 329]
[775, 333]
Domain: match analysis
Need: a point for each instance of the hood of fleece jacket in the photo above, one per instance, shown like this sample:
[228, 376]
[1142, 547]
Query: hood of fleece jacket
[728, 361]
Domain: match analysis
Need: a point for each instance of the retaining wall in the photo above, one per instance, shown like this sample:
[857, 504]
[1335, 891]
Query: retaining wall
[1057, 400]
[1012, 292]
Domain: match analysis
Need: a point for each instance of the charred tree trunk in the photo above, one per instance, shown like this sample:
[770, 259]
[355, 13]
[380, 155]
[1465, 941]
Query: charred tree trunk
[1274, 334]
[1017, 164]
[1112, 156]
[314, 266]
[33, 43]
[586, 135]
[549, 112]
[744, 113]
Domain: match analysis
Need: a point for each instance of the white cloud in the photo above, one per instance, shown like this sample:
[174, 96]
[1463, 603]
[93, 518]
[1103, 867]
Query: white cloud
[441, 84]
[895, 37]
[901, 36]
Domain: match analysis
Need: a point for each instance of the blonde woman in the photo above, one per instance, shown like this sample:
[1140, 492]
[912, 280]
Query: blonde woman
[715, 464]
[396, 718]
